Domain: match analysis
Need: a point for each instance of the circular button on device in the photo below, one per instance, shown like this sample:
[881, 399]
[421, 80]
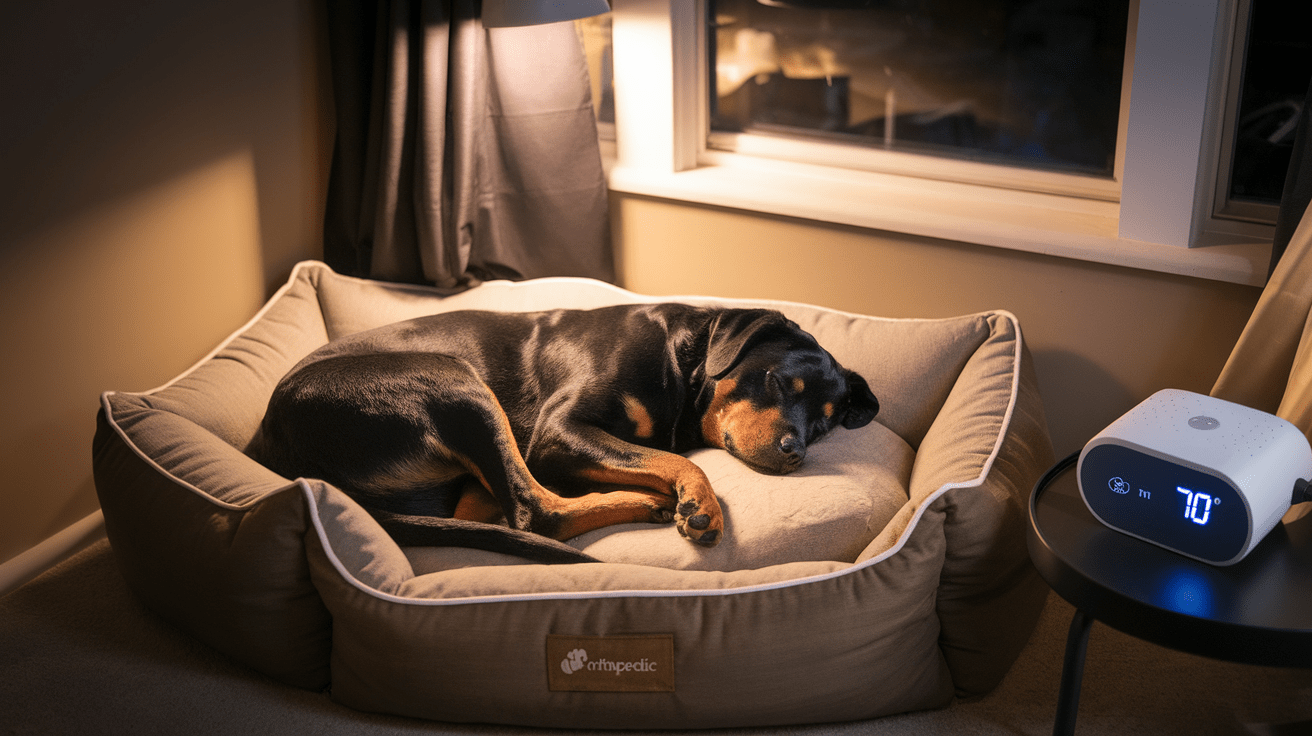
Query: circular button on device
[1204, 422]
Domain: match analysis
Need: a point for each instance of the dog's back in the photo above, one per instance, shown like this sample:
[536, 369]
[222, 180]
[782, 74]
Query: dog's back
[535, 361]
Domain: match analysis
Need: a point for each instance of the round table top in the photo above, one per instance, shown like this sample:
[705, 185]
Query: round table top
[1258, 610]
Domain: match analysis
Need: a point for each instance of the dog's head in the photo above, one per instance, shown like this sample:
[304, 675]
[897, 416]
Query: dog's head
[773, 390]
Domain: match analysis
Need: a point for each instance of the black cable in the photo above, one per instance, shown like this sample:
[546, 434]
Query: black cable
[1302, 491]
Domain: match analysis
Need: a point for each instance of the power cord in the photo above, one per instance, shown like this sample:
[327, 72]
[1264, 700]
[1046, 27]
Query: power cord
[1302, 491]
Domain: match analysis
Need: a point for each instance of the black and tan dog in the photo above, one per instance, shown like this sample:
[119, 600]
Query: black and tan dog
[556, 422]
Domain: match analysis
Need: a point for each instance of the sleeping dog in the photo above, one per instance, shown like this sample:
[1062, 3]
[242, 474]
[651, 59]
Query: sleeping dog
[495, 429]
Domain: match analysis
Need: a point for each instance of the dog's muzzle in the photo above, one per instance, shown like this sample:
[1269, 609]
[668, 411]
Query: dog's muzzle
[781, 457]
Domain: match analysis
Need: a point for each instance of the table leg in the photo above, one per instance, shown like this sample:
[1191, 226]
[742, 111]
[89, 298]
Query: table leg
[1072, 674]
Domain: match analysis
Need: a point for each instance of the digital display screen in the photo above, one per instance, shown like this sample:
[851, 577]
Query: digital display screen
[1175, 506]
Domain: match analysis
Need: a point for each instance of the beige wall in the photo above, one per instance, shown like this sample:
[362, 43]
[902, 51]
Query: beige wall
[1103, 337]
[161, 168]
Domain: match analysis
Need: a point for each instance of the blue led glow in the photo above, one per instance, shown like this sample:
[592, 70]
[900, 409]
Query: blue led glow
[1187, 591]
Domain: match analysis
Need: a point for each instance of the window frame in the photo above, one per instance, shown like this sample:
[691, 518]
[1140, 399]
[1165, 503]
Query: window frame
[1156, 215]
[1223, 206]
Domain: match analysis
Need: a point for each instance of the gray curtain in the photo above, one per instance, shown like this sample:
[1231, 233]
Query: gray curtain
[462, 153]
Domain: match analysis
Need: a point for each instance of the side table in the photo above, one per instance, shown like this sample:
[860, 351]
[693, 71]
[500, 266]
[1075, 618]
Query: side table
[1257, 611]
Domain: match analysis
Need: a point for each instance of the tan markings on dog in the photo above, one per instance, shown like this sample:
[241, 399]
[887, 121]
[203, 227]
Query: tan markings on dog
[711, 429]
[476, 504]
[752, 430]
[506, 448]
[643, 426]
[675, 477]
[829, 408]
[597, 510]
[799, 385]
[660, 472]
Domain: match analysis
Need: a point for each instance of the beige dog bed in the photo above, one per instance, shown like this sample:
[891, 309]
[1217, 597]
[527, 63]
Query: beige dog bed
[886, 575]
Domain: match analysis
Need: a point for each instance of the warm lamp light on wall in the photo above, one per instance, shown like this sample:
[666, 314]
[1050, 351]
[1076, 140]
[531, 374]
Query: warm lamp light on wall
[511, 13]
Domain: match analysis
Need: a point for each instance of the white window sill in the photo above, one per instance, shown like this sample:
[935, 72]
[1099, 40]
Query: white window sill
[1067, 227]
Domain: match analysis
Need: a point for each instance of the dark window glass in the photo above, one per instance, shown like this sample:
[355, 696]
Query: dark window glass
[1276, 71]
[1033, 83]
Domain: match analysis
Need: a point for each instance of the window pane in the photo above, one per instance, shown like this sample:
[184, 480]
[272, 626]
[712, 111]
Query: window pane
[1277, 67]
[1034, 83]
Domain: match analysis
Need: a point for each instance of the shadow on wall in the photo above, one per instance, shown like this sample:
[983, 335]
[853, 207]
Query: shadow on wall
[1079, 396]
[101, 102]
[163, 169]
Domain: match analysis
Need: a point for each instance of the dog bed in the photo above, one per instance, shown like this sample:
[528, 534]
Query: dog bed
[885, 576]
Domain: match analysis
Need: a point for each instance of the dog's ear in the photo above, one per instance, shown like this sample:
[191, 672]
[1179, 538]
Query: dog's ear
[862, 406]
[734, 332]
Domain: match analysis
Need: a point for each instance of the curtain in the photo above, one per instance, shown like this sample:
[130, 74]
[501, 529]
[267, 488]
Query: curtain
[1270, 367]
[462, 153]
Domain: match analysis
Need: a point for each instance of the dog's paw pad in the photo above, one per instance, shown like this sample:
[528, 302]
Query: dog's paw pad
[698, 516]
[697, 528]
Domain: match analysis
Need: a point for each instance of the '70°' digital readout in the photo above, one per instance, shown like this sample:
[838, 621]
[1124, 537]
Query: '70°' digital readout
[1163, 502]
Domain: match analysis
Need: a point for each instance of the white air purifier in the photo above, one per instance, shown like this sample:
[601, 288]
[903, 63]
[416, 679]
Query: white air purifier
[1200, 476]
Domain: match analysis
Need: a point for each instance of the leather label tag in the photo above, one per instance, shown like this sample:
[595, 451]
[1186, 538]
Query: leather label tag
[629, 663]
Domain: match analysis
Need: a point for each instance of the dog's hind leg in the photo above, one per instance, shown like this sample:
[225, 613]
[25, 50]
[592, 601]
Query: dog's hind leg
[488, 451]
[398, 431]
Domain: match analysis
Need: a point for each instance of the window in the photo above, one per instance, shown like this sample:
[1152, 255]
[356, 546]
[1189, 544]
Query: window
[1272, 69]
[1153, 211]
[1035, 85]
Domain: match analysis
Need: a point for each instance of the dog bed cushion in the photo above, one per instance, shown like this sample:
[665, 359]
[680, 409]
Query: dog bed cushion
[886, 575]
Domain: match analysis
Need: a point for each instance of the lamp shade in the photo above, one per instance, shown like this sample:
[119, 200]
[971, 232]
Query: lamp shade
[508, 13]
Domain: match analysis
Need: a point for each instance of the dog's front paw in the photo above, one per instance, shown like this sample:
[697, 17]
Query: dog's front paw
[699, 518]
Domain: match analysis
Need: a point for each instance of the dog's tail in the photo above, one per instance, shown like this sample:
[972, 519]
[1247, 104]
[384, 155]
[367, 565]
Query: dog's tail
[430, 531]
